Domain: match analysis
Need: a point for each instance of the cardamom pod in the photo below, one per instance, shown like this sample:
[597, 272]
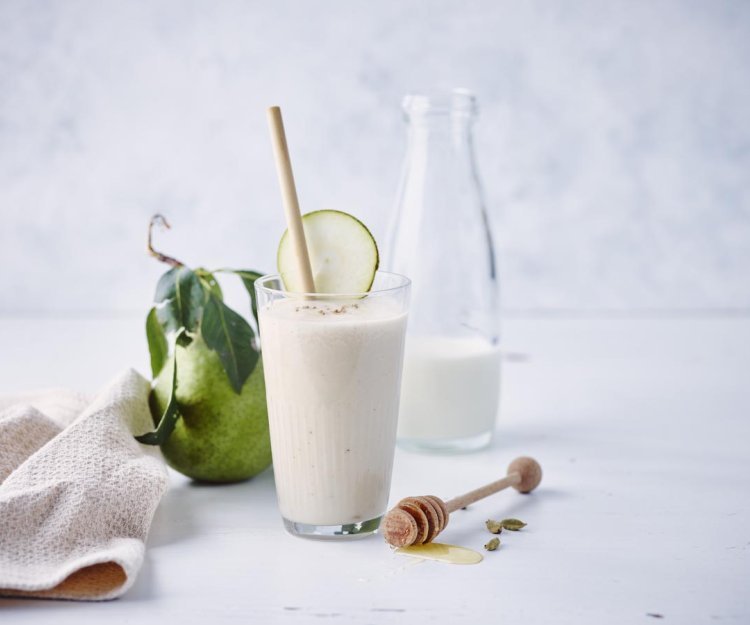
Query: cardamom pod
[494, 527]
[512, 524]
[493, 544]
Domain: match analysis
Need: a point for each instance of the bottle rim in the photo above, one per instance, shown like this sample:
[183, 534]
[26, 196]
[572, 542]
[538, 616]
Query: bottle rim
[457, 101]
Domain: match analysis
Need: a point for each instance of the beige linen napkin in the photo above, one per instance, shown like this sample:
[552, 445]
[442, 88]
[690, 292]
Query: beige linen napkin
[77, 491]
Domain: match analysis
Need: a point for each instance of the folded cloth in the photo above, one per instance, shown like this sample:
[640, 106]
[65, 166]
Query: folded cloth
[77, 491]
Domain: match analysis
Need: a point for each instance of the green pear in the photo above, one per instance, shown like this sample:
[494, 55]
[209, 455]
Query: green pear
[221, 436]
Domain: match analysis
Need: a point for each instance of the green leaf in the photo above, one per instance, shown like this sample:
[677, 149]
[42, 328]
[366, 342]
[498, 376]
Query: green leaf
[157, 342]
[171, 413]
[209, 281]
[231, 337]
[180, 298]
[248, 277]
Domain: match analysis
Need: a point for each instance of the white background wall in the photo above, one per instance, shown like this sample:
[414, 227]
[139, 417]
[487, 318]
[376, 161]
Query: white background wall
[614, 140]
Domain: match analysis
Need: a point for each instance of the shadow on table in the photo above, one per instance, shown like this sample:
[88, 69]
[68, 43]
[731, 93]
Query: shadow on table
[188, 509]
[187, 505]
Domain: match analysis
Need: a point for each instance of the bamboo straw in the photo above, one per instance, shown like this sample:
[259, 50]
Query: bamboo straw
[289, 197]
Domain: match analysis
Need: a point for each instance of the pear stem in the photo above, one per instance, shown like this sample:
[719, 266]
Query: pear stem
[162, 221]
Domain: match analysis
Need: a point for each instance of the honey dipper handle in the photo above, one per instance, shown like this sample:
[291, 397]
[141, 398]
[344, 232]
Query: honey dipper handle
[512, 479]
[524, 474]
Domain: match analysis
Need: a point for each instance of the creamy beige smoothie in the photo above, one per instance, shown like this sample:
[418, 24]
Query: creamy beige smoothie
[332, 372]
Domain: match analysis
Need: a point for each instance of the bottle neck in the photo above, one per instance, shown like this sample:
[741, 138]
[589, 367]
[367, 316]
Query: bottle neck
[440, 233]
[440, 133]
[441, 115]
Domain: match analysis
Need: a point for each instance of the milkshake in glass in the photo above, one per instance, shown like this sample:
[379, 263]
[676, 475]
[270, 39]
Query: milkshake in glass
[332, 366]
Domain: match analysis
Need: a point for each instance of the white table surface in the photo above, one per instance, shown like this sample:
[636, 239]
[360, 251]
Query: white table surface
[642, 427]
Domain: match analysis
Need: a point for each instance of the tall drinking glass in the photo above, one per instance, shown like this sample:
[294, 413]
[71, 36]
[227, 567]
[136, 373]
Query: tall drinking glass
[332, 366]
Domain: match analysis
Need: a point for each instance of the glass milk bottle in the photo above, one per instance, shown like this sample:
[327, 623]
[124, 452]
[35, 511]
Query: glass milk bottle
[440, 237]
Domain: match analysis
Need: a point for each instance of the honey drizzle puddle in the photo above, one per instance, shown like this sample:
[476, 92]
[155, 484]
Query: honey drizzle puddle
[453, 554]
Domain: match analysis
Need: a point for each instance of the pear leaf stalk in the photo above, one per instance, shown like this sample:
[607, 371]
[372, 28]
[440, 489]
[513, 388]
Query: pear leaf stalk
[169, 419]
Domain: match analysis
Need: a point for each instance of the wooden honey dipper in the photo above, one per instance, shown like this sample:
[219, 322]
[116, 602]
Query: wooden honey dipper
[418, 520]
